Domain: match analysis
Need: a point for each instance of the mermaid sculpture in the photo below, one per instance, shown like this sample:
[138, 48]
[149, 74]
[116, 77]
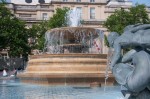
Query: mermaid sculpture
[132, 69]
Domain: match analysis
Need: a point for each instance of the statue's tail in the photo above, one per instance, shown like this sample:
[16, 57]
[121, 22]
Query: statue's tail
[135, 77]
[140, 77]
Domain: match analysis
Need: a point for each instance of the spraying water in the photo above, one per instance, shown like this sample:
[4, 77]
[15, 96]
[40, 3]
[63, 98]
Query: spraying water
[73, 39]
[73, 17]
[109, 56]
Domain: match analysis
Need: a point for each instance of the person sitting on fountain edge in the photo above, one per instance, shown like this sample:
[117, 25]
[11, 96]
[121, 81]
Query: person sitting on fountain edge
[133, 36]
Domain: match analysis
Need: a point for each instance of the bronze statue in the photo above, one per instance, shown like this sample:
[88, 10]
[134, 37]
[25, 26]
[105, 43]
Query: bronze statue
[132, 69]
[135, 36]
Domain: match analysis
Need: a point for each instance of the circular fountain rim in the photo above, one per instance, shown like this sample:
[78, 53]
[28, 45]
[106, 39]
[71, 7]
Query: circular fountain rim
[88, 30]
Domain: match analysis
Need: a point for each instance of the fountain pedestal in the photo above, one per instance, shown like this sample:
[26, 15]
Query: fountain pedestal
[66, 69]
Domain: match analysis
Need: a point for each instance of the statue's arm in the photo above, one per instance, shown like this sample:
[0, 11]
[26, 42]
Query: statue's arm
[140, 27]
[128, 56]
[116, 55]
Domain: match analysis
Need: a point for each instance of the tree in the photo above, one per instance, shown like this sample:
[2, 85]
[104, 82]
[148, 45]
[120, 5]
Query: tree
[121, 18]
[13, 34]
[37, 34]
[58, 19]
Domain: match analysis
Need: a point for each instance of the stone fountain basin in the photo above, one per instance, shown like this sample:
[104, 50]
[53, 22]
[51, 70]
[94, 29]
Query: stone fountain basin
[66, 69]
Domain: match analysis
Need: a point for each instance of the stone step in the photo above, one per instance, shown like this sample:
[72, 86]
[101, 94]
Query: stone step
[68, 72]
[80, 67]
[65, 63]
[67, 60]
[78, 55]
[63, 74]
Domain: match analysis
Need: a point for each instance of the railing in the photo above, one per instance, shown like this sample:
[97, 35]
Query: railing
[12, 63]
[126, 3]
[26, 6]
[28, 19]
[94, 22]
[44, 6]
[33, 7]
[111, 9]
[96, 1]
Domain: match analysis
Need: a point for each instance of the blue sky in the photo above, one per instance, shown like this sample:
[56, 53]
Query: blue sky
[146, 2]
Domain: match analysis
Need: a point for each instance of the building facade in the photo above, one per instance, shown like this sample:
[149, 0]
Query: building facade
[93, 12]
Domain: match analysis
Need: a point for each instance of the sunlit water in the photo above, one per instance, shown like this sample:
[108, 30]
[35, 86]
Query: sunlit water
[16, 90]
[73, 17]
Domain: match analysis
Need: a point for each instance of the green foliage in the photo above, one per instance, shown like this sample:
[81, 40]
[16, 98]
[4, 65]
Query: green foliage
[58, 19]
[117, 21]
[106, 41]
[13, 34]
[121, 18]
[139, 14]
[37, 33]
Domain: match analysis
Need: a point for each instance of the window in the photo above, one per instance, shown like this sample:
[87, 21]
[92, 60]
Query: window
[92, 0]
[92, 13]
[41, 1]
[80, 10]
[28, 1]
[65, 0]
[44, 16]
[78, 0]
[44, 6]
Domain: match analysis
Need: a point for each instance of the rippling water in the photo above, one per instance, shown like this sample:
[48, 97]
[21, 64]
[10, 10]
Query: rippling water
[13, 89]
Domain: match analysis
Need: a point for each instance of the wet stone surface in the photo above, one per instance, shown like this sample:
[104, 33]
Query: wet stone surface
[16, 90]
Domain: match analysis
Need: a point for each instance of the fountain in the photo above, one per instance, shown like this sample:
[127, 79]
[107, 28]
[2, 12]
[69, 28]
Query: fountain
[73, 56]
